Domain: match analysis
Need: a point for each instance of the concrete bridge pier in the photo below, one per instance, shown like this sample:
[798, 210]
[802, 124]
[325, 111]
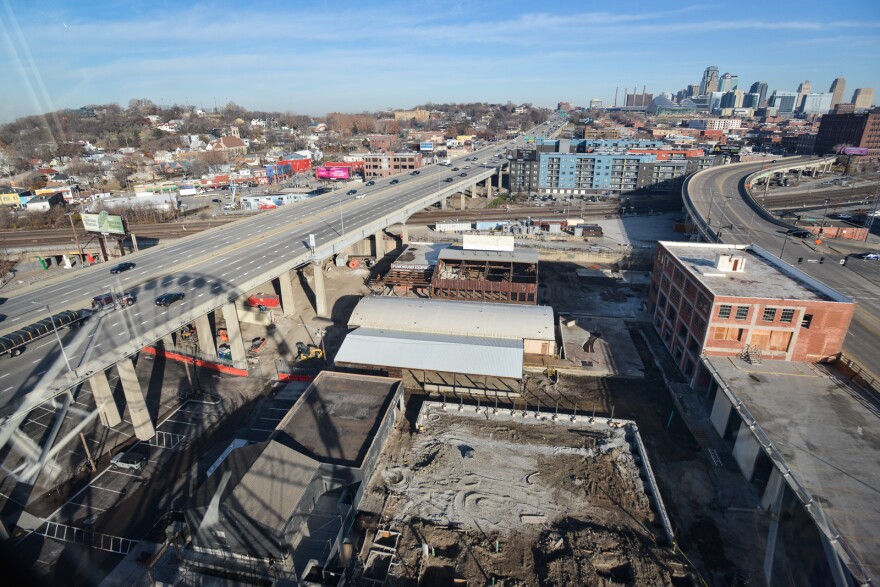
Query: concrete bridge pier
[134, 398]
[320, 290]
[107, 409]
[207, 344]
[285, 286]
[463, 205]
[404, 234]
[443, 203]
[233, 329]
[489, 188]
[379, 244]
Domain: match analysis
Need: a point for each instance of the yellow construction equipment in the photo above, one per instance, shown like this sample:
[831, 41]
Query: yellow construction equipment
[308, 352]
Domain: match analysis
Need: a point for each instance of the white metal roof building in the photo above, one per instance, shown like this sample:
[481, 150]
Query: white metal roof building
[442, 336]
[455, 318]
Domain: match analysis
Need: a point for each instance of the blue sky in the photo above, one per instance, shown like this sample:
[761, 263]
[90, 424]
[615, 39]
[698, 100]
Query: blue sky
[318, 57]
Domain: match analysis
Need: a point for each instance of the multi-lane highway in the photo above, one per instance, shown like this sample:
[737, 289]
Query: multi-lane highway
[210, 268]
[722, 190]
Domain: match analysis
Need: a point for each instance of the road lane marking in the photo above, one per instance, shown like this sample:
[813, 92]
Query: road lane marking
[108, 489]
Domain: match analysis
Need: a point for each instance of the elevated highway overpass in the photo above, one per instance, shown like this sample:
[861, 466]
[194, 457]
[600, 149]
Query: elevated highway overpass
[212, 269]
[721, 204]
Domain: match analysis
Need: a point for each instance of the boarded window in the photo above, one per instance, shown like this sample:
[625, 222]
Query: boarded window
[727, 334]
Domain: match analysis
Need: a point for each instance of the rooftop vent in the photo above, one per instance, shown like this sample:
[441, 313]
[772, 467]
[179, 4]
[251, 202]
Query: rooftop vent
[729, 263]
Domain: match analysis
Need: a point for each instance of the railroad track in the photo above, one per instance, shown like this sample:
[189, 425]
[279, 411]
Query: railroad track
[52, 236]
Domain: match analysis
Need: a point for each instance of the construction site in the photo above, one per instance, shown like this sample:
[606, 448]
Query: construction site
[484, 496]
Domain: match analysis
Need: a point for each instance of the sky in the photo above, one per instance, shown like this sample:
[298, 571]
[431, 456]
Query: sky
[318, 57]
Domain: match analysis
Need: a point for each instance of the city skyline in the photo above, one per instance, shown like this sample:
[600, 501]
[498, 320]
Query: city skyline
[352, 57]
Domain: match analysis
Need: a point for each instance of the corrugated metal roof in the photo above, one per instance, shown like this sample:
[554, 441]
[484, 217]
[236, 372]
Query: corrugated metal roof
[483, 320]
[471, 355]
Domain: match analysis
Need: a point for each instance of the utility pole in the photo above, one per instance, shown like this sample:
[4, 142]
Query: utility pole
[871, 217]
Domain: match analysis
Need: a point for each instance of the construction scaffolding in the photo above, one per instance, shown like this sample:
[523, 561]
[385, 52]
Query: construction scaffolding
[486, 276]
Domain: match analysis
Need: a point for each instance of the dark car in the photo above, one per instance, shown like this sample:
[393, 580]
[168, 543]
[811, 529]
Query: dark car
[416, 172]
[395, 181]
[167, 299]
[455, 169]
[371, 182]
[122, 267]
[800, 233]
[868, 256]
[351, 192]
[217, 200]
[462, 174]
[448, 180]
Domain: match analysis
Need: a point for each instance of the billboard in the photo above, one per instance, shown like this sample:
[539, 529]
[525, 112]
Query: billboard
[428, 146]
[852, 151]
[333, 173]
[103, 223]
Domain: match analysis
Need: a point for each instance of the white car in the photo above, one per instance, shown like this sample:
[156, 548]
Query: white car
[360, 196]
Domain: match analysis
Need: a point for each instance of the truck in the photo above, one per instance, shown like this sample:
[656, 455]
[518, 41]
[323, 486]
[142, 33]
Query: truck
[15, 343]
[110, 301]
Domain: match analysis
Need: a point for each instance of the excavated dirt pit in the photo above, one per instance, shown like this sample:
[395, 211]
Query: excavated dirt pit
[495, 499]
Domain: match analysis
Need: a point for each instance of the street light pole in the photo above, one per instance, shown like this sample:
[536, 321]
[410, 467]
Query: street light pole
[824, 214]
[341, 218]
[711, 201]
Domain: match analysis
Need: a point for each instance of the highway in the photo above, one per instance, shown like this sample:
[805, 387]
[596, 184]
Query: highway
[211, 268]
[722, 190]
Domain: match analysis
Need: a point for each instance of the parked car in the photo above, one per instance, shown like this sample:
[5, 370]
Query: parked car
[166, 299]
[132, 459]
[216, 200]
[122, 267]
[395, 181]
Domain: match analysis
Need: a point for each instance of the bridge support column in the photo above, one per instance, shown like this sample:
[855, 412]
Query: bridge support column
[443, 203]
[463, 205]
[134, 398]
[233, 328]
[404, 234]
[286, 288]
[207, 346]
[379, 244]
[489, 188]
[107, 408]
[320, 290]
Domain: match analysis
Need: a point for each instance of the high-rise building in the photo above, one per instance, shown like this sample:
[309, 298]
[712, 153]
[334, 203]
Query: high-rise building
[728, 82]
[715, 101]
[709, 82]
[760, 88]
[816, 103]
[856, 129]
[638, 100]
[803, 89]
[838, 87]
[733, 99]
[752, 100]
[595, 104]
[863, 98]
[784, 102]
[693, 90]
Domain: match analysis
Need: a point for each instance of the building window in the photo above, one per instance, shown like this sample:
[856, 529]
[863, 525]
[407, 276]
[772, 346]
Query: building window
[787, 316]
[688, 288]
[724, 311]
[702, 303]
[727, 334]
[769, 315]
[807, 320]
[742, 312]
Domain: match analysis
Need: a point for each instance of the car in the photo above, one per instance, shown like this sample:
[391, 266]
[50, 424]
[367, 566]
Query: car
[360, 196]
[868, 256]
[462, 174]
[371, 182]
[416, 172]
[448, 180]
[122, 267]
[455, 169]
[132, 459]
[217, 200]
[229, 206]
[351, 192]
[800, 233]
[166, 299]
[395, 181]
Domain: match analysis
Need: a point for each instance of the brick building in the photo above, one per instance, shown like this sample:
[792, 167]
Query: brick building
[385, 164]
[855, 129]
[739, 300]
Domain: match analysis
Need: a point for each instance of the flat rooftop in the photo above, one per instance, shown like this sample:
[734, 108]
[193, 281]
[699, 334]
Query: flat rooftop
[336, 418]
[516, 256]
[829, 436]
[764, 276]
[420, 256]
